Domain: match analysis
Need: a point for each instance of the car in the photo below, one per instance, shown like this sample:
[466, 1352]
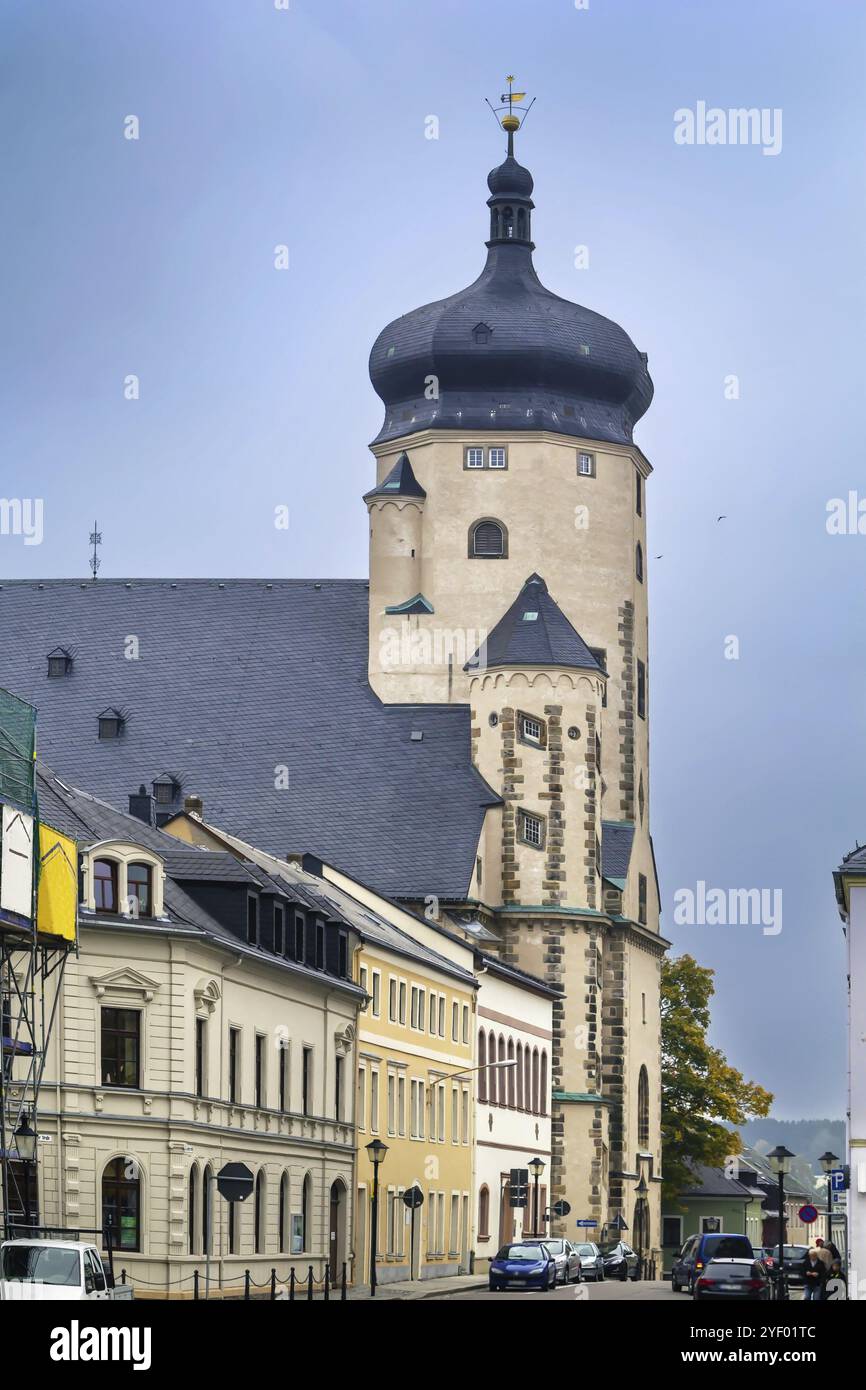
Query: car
[794, 1257]
[699, 1249]
[567, 1259]
[524, 1264]
[591, 1261]
[727, 1277]
[620, 1261]
[766, 1255]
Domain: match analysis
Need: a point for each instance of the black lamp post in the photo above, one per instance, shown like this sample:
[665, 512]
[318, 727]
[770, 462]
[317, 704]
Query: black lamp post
[779, 1160]
[536, 1168]
[376, 1151]
[828, 1162]
[641, 1191]
[25, 1143]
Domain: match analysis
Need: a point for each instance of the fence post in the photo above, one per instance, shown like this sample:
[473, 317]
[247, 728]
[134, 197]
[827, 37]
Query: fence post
[343, 1284]
[123, 1276]
[292, 1284]
[273, 1284]
[195, 1285]
[246, 1283]
[309, 1283]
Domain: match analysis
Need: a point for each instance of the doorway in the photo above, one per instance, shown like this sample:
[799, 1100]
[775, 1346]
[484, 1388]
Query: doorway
[337, 1231]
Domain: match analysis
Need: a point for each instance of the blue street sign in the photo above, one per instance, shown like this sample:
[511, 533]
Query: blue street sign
[586, 1223]
[837, 1179]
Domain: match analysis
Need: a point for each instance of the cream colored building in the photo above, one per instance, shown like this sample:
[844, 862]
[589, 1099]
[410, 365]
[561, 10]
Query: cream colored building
[182, 1044]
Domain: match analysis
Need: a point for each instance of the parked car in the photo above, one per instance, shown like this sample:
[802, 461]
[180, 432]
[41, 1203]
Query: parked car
[794, 1257]
[697, 1252]
[567, 1259]
[525, 1264]
[591, 1261]
[766, 1255]
[56, 1271]
[620, 1261]
[732, 1278]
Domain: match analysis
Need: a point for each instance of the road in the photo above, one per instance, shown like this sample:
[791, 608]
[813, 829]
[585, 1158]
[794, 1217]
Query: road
[608, 1291]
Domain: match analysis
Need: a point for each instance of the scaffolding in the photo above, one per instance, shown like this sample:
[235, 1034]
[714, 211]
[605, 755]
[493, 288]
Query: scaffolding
[38, 920]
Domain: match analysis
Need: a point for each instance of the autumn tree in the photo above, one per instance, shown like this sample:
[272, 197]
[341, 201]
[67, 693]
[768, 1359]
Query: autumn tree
[700, 1090]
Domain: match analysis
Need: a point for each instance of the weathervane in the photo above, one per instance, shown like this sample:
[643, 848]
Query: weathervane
[95, 540]
[505, 114]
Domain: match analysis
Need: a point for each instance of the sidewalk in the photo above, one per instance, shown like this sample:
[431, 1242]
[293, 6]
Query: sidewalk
[406, 1289]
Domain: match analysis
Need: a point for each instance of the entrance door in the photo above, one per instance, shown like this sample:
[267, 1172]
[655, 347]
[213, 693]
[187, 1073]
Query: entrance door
[337, 1231]
[361, 1267]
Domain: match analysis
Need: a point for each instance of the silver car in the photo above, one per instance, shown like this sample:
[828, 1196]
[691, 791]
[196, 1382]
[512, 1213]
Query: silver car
[566, 1258]
[591, 1260]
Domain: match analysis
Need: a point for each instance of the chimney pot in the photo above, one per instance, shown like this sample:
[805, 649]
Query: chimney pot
[194, 806]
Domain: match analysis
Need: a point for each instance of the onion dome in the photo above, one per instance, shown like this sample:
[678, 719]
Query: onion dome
[506, 353]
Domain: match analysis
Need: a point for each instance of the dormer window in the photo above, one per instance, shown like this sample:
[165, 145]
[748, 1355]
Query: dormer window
[165, 789]
[531, 730]
[252, 920]
[105, 885]
[139, 887]
[481, 333]
[111, 723]
[59, 663]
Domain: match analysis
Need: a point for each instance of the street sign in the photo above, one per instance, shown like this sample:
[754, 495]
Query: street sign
[413, 1197]
[586, 1223]
[837, 1179]
[808, 1213]
[518, 1187]
[235, 1182]
[561, 1208]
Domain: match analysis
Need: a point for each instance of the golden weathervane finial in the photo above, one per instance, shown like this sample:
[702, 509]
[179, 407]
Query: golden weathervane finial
[506, 117]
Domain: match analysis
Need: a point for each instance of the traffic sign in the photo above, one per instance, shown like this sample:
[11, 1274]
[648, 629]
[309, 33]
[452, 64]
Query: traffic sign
[586, 1223]
[518, 1187]
[235, 1182]
[413, 1197]
[808, 1213]
[561, 1208]
[837, 1179]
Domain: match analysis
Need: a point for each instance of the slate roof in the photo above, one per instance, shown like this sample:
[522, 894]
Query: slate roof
[617, 838]
[712, 1182]
[534, 632]
[235, 680]
[400, 482]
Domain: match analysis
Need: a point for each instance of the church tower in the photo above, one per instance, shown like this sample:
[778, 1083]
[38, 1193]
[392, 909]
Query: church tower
[508, 572]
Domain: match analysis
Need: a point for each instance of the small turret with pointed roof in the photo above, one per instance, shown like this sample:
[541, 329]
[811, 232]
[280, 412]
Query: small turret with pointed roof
[534, 632]
[400, 482]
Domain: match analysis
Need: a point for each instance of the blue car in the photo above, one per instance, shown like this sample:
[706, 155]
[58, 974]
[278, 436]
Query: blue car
[527, 1264]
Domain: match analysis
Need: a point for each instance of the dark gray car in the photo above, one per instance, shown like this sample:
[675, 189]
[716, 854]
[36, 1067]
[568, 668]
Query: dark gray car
[620, 1261]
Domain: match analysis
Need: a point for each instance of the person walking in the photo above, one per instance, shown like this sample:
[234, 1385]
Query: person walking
[815, 1273]
[827, 1250]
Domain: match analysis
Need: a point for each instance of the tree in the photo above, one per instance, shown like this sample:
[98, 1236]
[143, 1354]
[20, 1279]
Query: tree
[700, 1090]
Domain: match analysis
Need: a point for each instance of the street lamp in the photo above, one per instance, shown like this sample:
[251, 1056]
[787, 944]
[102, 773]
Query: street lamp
[536, 1168]
[828, 1162]
[25, 1143]
[641, 1190]
[779, 1160]
[376, 1152]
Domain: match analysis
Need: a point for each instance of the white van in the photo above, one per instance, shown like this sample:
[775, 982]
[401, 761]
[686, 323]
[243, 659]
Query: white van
[42, 1271]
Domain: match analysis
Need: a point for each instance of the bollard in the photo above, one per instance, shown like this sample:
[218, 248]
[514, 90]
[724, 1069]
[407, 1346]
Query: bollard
[292, 1284]
[246, 1283]
[195, 1285]
[343, 1284]
[273, 1284]
[310, 1284]
[327, 1294]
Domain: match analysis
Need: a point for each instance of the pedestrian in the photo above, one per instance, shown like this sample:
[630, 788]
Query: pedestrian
[836, 1287]
[823, 1244]
[814, 1275]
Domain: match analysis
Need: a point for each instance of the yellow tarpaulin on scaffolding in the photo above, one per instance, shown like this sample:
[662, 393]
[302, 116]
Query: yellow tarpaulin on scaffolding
[57, 891]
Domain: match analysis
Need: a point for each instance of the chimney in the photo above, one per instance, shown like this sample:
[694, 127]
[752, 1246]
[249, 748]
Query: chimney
[194, 806]
[141, 806]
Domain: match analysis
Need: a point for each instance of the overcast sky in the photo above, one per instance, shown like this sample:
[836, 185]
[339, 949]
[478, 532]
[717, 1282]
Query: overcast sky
[258, 127]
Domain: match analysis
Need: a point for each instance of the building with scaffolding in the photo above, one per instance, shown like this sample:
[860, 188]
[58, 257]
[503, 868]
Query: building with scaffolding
[38, 916]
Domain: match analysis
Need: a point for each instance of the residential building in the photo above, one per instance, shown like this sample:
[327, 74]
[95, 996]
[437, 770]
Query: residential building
[210, 1016]
[714, 1201]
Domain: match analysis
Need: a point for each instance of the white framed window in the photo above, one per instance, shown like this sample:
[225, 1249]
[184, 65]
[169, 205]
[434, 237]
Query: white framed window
[392, 1000]
[586, 464]
[440, 1095]
[464, 1130]
[402, 1009]
[455, 1021]
[433, 1014]
[422, 1007]
[374, 1101]
[361, 1105]
[413, 1008]
[401, 1105]
[392, 1103]
[455, 1115]
[466, 1024]
[497, 457]
[362, 981]
[377, 992]
[531, 829]
[474, 458]
[531, 730]
[442, 1015]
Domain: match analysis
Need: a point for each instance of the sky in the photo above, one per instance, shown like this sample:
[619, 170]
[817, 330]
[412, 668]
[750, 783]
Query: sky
[261, 126]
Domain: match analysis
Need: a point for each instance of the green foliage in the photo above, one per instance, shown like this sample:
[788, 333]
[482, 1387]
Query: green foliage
[701, 1093]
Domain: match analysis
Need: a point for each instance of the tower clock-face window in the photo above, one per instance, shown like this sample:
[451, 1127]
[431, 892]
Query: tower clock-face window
[586, 465]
